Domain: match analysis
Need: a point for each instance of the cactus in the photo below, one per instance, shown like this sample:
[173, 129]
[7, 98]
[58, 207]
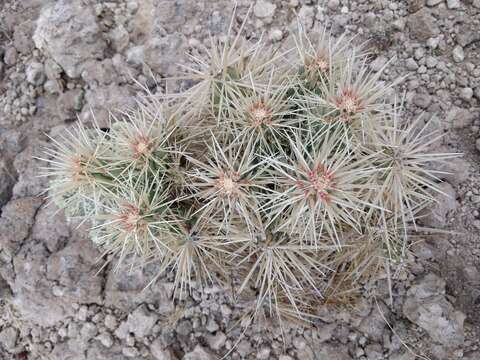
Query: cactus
[288, 176]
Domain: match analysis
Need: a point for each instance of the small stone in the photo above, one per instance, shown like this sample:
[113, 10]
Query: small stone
[212, 326]
[422, 24]
[422, 100]
[275, 35]
[477, 144]
[431, 62]
[378, 63]
[263, 353]
[476, 92]
[458, 54]
[217, 341]
[110, 322]
[35, 73]
[10, 56]
[433, 2]
[88, 331]
[141, 321]
[130, 352]
[122, 331]
[466, 93]
[119, 38]
[105, 339]
[8, 338]
[159, 353]
[411, 64]
[453, 4]
[333, 4]
[199, 353]
[264, 9]
[82, 313]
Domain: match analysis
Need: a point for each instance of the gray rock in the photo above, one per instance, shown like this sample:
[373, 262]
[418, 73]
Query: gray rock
[476, 92]
[378, 63]
[433, 2]
[159, 352]
[458, 54]
[411, 64]
[199, 353]
[51, 227]
[10, 56]
[466, 93]
[141, 321]
[162, 54]
[105, 339]
[88, 331]
[422, 25]
[67, 31]
[422, 100]
[110, 322]
[217, 341]
[119, 37]
[477, 144]
[130, 352]
[437, 213]
[453, 4]
[264, 9]
[35, 73]
[427, 307]
[7, 181]
[327, 351]
[8, 338]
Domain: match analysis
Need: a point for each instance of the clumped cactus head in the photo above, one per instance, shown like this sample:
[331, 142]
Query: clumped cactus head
[289, 176]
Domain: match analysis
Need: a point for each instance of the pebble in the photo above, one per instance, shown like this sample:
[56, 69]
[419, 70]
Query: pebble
[378, 63]
[105, 339]
[477, 144]
[411, 64]
[458, 54]
[275, 35]
[433, 2]
[466, 93]
[264, 9]
[10, 57]
[130, 352]
[453, 4]
[35, 73]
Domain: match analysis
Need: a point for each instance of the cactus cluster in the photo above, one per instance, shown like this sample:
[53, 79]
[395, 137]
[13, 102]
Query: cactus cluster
[285, 174]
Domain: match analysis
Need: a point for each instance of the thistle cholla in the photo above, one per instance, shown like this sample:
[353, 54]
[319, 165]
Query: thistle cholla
[287, 176]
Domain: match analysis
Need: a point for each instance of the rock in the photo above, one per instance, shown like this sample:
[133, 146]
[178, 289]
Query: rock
[163, 54]
[217, 341]
[275, 35]
[438, 211]
[333, 4]
[110, 322]
[130, 352]
[422, 100]
[264, 9]
[199, 353]
[477, 144]
[457, 169]
[158, 351]
[35, 73]
[433, 2]
[141, 321]
[373, 325]
[423, 25]
[476, 92]
[105, 339]
[8, 338]
[7, 181]
[374, 352]
[453, 4]
[458, 54]
[327, 351]
[427, 307]
[68, 32]
[263, 353]
[411, 64]
[51, 227]
[119, 37]
[10, 56]
[466, 93]
[459, 118]
[16, 221]
[88, 331]
[379, 63]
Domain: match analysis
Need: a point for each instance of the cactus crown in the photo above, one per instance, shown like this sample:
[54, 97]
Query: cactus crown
[289, 169]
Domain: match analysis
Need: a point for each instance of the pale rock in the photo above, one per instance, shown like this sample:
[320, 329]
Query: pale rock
[68, 32]
[35, 73]
[159, 352]
[141, 321]
[458, 54]
[264, 9]
[453, 4]
[427, 307]
[199, 353]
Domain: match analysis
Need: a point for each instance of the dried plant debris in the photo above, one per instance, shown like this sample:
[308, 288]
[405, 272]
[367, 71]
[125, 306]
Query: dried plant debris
[289, 177]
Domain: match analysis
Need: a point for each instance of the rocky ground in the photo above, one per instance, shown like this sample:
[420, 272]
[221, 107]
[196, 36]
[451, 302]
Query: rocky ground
[59, 60]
